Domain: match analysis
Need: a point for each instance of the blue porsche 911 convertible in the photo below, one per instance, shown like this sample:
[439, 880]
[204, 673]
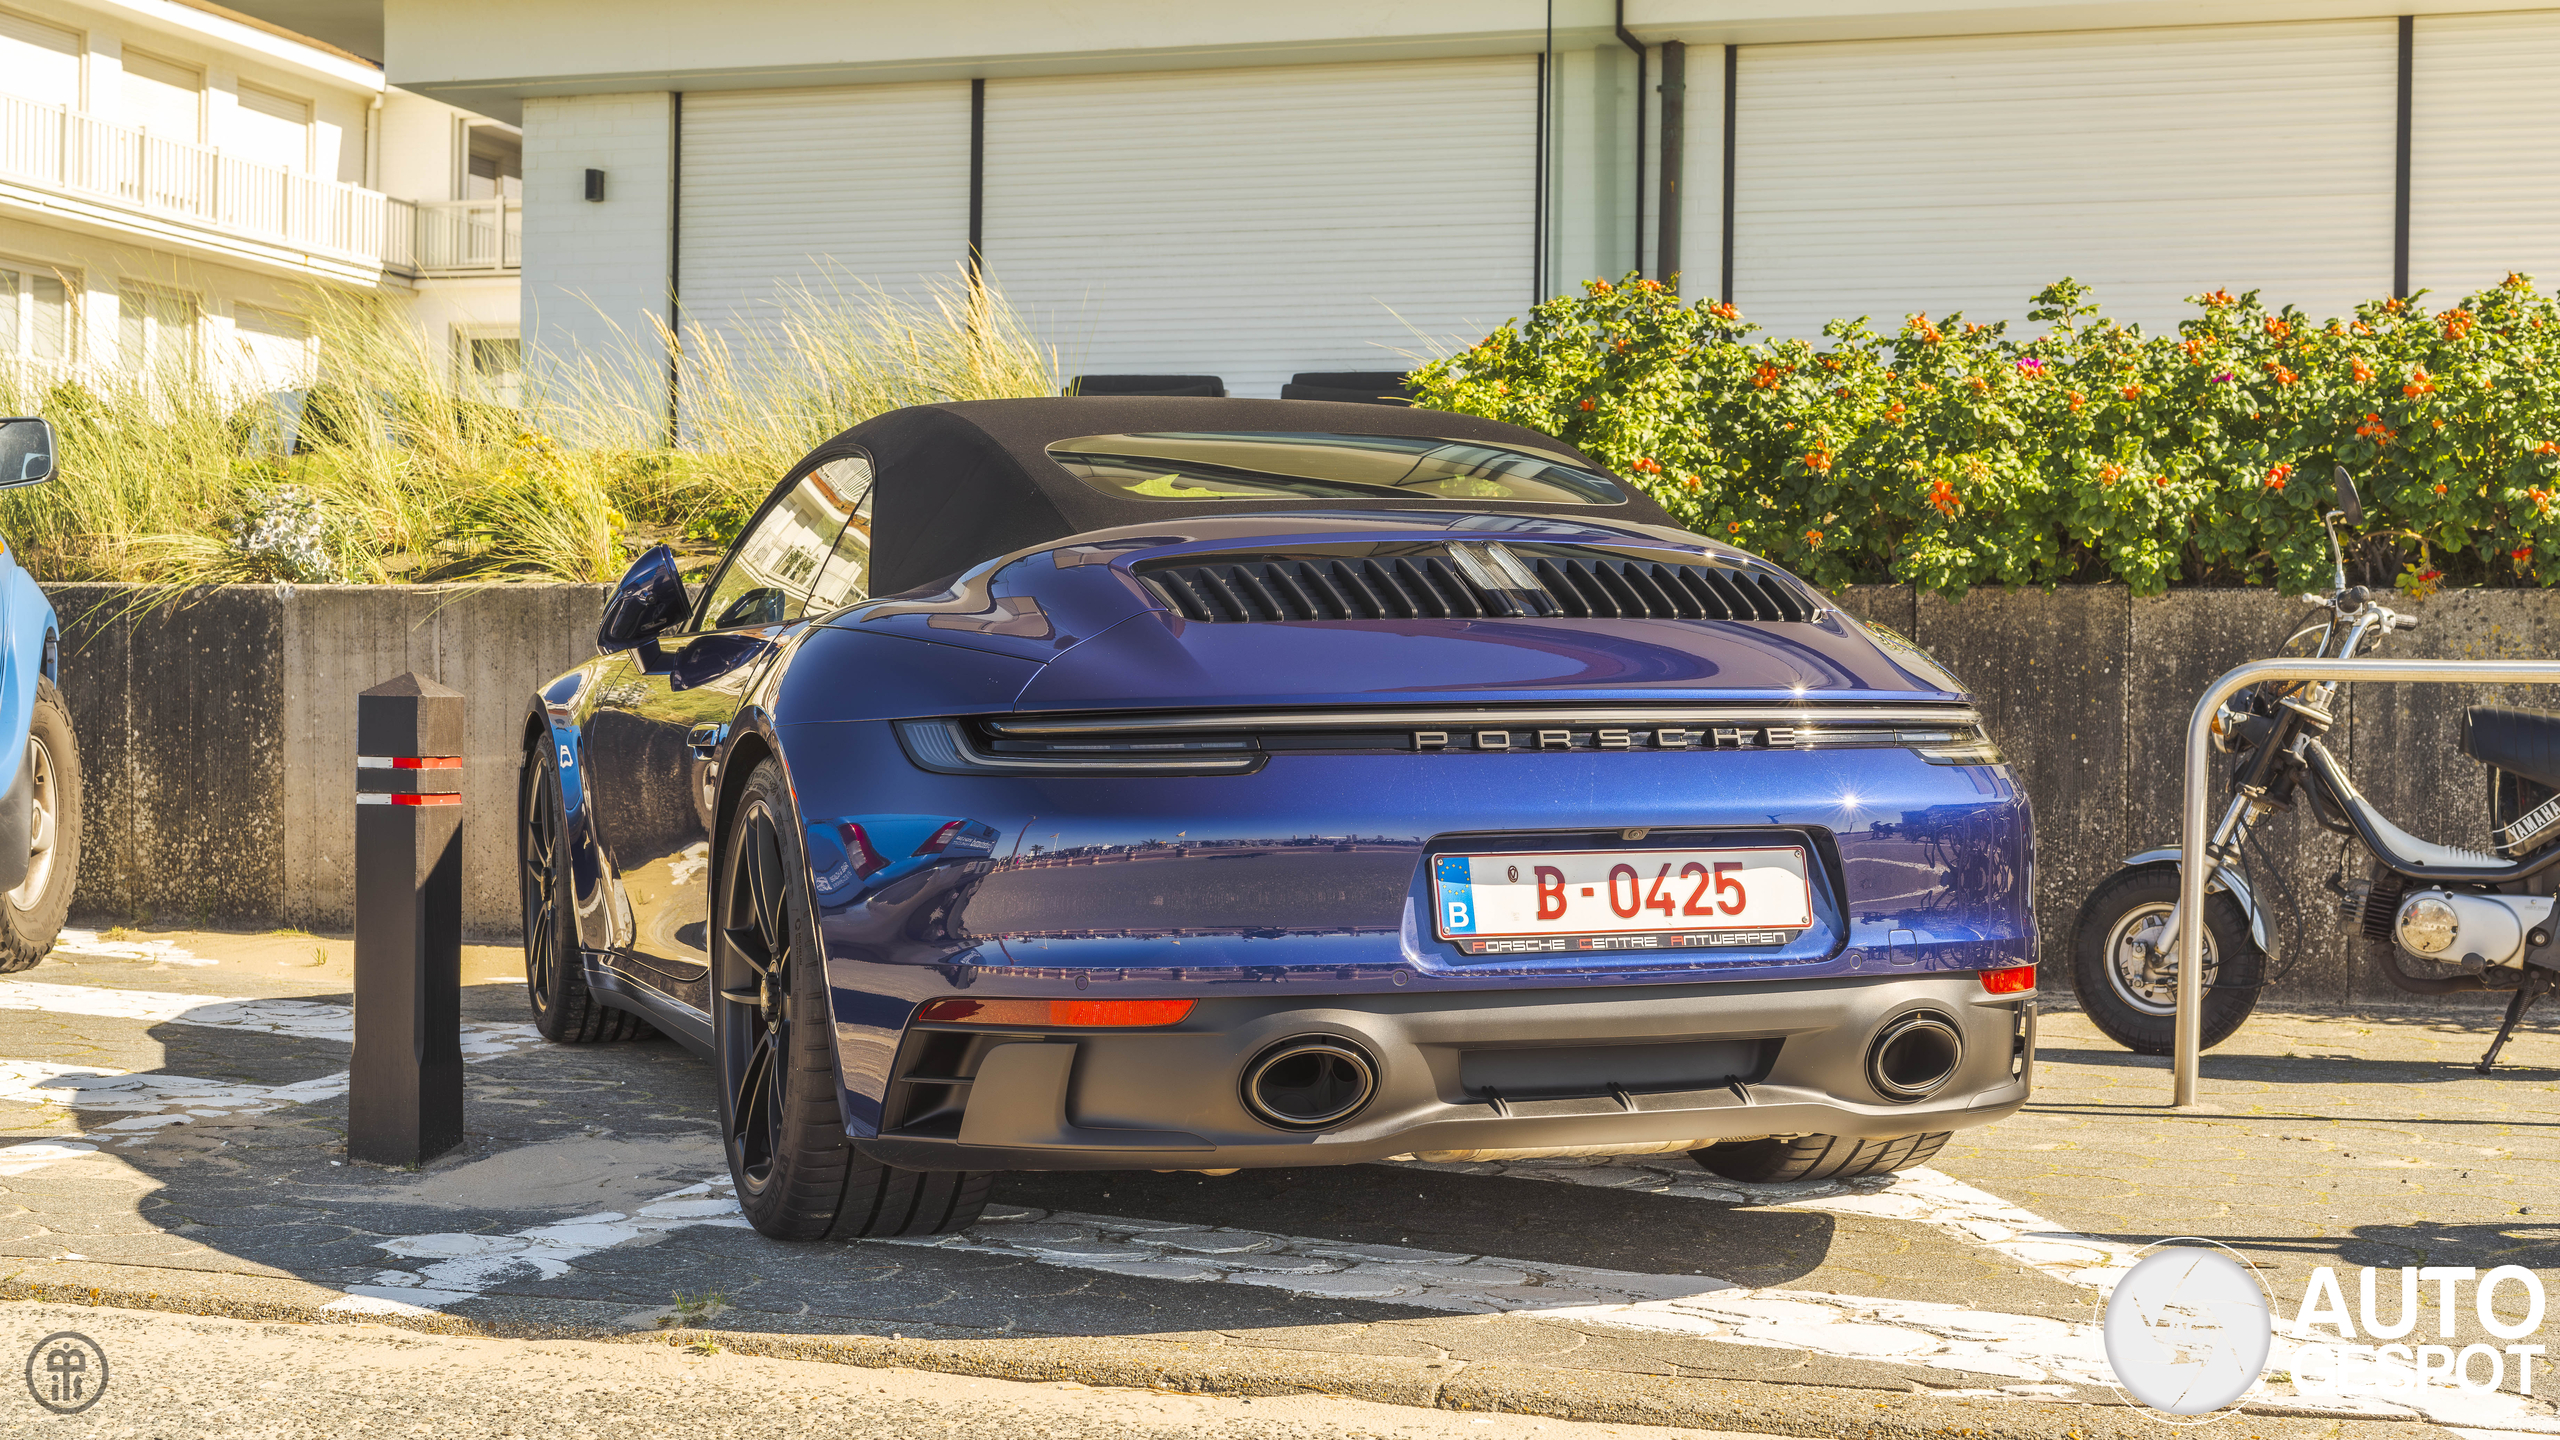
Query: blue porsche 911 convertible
[1191, 784]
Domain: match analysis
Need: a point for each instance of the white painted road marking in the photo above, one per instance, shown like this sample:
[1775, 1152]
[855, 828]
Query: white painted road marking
[32, 1155]
[461, 1265]
[86, 943]
[162, 1100]
[1940, 1201]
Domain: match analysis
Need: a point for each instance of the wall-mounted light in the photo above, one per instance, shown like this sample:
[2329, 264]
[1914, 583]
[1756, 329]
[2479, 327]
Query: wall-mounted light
[595, 185]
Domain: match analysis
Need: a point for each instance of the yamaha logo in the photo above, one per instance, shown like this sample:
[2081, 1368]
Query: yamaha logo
[1570, 738]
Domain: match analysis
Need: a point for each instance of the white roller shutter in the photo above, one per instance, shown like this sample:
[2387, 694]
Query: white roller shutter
[1881, 177]
[39, 62]
[2484, 153]
[1254, 223]
[819, 191]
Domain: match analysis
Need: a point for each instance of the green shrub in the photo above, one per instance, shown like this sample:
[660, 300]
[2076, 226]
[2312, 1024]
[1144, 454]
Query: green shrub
[1949, 454]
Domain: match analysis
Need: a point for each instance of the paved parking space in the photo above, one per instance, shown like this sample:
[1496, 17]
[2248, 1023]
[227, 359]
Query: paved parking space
[170, 1136]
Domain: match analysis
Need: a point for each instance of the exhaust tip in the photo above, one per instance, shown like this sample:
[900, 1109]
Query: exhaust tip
[1309, 1082]
[1914, 1056]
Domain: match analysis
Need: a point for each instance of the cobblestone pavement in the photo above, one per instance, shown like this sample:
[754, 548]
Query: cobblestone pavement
[171, 1133]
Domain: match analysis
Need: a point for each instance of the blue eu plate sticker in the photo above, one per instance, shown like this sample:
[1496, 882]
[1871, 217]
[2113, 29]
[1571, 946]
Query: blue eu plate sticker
[1455, 895]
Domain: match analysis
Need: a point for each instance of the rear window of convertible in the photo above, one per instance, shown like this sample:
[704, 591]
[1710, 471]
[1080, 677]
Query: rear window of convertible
[1282, 465]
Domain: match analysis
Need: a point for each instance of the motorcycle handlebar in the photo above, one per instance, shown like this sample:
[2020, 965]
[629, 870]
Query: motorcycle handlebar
[2404, 622]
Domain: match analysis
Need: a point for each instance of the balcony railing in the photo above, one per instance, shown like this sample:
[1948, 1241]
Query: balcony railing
[461, 237]
[60, 148]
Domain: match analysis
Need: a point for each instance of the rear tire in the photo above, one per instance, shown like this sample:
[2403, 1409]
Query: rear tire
[2133, 1004]
[32, 915]
[1778, 1159]
[798, 1177]
[565, 1010]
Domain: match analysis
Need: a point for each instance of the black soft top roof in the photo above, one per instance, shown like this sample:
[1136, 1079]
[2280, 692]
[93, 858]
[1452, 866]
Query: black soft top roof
[965, 482]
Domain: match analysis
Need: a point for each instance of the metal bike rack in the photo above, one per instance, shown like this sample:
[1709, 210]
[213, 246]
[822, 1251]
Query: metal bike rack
[2198, 808]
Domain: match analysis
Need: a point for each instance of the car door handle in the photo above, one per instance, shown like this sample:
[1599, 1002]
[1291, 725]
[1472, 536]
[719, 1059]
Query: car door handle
[702, 740]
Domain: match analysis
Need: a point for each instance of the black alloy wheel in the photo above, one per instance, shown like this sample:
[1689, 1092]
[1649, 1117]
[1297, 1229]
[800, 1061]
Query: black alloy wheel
[1778, 1160]
[798, 1176]
[564, 1009]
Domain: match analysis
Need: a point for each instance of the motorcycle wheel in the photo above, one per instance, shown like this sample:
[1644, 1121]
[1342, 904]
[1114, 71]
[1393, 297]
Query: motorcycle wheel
[2133, 999]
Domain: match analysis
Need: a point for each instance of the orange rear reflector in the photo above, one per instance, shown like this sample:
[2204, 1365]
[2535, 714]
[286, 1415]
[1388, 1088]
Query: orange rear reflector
[1061, 1013]
[2013, 981]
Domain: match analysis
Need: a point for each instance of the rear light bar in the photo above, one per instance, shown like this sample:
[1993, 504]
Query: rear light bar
[1062, 1014]
[2016, 980]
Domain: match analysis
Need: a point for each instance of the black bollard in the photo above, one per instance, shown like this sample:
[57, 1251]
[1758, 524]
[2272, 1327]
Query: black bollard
[404, 1095]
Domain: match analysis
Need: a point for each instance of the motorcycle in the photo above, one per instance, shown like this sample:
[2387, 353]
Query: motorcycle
[2433, 919]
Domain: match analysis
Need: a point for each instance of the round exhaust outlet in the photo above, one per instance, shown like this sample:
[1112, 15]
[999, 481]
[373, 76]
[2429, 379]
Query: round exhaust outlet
[1914, 1056]
[1309, 1082]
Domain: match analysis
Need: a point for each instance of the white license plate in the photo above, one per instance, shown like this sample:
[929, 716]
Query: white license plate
[1561, 900]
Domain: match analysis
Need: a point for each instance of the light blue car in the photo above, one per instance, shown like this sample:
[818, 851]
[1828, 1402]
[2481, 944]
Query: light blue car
[39, 760]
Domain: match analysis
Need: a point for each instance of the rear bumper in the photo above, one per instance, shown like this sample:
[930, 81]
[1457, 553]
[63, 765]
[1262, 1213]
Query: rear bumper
[1616, 1067]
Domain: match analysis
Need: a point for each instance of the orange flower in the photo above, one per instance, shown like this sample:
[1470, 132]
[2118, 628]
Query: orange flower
[2276, 475]
[2078, 399]
[2360, 370]
[1815, 536]
[1942, 497]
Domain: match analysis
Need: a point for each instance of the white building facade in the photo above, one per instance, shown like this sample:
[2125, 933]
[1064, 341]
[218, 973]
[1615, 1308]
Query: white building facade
[180, 183]
[1256, 191]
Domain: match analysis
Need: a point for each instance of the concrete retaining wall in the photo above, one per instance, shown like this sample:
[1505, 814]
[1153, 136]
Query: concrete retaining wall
[218, 737]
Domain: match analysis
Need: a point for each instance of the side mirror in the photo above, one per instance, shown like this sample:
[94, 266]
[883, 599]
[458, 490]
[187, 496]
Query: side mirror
[648, 603]
[26, 451]
[2348, 502]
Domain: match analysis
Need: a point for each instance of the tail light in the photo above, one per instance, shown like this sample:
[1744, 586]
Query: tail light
[2016, 980]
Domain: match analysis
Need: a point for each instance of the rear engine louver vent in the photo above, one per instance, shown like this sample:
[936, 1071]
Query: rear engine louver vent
[1406, 587]
[1411, 587]
[1652, 590]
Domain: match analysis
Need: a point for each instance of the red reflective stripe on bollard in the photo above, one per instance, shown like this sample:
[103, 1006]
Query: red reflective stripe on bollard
[408, 762]
[432, 797]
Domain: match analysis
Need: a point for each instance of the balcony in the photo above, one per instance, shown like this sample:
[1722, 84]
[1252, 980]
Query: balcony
[469, 237]
[196, 193]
